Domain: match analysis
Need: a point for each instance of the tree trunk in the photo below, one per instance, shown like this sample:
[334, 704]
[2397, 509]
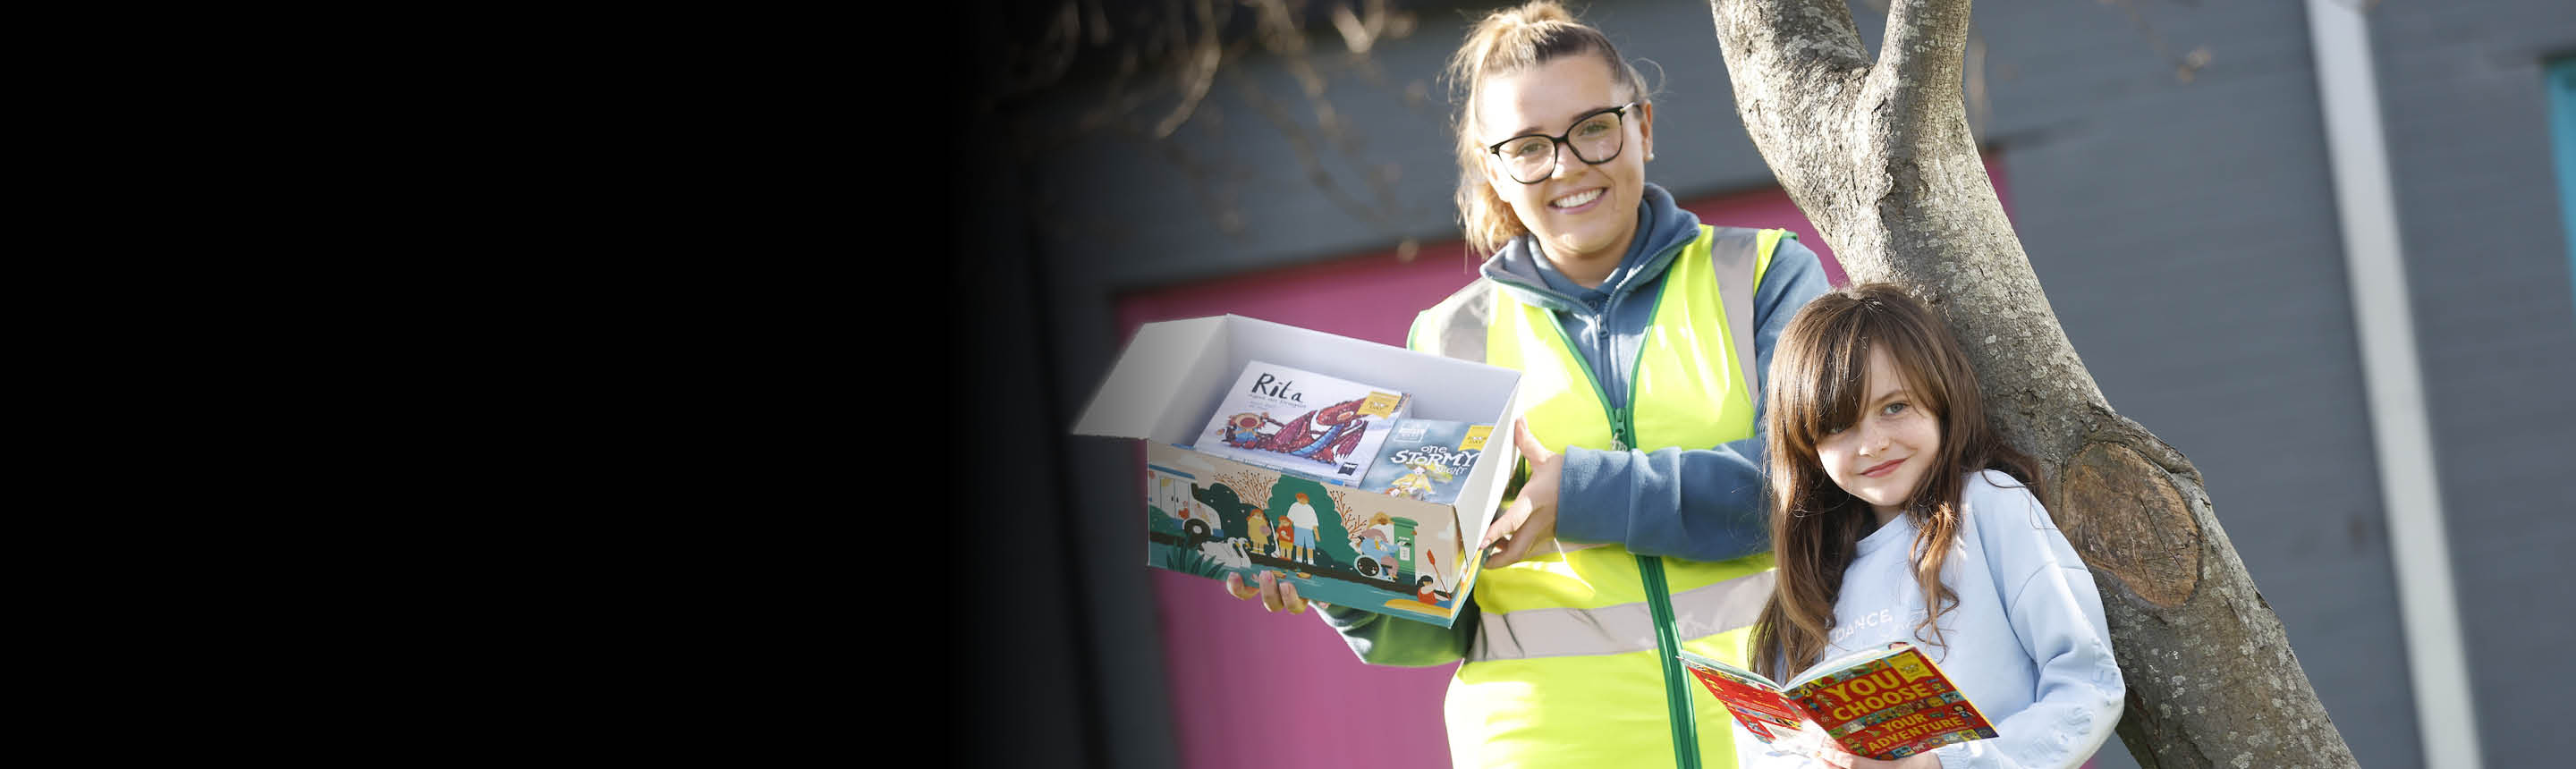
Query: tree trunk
[1879, 156]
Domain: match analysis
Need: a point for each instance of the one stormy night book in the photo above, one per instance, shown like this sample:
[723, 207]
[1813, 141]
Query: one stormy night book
[1426, 459]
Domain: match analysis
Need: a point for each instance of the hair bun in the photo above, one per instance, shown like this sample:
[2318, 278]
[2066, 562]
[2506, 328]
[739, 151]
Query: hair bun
[1539, 11]
[1510, 40]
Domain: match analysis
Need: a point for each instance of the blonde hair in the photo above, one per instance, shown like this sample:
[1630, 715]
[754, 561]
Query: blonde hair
[1508, 41]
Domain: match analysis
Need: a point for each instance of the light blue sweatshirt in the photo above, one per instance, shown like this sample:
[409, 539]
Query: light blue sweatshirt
[1701, 504]
[2027, 642]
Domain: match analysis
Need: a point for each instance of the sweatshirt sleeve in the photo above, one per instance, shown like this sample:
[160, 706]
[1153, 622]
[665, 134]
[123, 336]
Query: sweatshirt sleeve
[2055, 613]
[1697, 504]
[1379, 639]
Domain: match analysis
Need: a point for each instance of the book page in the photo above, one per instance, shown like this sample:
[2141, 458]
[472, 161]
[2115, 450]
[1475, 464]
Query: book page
[1751, 699]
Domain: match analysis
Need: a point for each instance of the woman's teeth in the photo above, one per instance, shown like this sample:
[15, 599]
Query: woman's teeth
[1576, 199]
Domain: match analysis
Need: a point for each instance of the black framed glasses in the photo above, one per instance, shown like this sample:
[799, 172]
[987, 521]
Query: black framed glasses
[1595, 138]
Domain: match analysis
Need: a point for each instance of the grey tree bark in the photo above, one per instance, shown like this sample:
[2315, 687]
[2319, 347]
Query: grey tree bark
[1879, 156]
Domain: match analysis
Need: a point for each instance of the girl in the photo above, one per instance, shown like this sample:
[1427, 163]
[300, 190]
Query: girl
[1897, 515]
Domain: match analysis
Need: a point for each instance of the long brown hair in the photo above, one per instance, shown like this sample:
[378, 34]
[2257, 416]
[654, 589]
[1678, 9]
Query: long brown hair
[1507, 41]
[1815, 387]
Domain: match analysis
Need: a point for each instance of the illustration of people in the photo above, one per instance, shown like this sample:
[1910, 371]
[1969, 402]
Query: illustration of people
[1287, 533]
[1383, 525]
[1260, 526]
[1376, 551]
[1303, 515]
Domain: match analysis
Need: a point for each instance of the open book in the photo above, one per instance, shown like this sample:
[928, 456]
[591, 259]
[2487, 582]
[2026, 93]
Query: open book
[1882, 703]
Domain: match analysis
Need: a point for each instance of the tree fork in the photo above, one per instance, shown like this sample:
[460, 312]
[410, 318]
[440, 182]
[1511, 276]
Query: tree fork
[1880, 157]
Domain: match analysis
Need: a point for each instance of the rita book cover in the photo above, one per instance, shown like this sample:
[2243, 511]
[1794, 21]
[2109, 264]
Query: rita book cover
[1302, 422]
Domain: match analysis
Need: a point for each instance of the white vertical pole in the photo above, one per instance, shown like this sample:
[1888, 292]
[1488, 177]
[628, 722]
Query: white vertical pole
[2436, 663]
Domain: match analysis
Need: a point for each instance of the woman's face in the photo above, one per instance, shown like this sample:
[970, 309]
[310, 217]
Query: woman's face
[1583, 213]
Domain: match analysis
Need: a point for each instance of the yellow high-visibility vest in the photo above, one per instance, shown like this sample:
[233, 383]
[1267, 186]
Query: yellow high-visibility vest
[1573, 660]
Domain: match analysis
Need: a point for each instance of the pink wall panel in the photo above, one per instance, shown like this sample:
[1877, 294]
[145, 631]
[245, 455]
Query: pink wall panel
[1250, 690]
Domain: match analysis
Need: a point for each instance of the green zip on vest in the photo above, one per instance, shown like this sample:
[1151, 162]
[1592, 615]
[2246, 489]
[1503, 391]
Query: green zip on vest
[1564, 620]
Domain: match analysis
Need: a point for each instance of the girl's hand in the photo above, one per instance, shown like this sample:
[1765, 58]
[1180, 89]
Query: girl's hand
[1275, 595]
[1532, 518]
[1831, 753]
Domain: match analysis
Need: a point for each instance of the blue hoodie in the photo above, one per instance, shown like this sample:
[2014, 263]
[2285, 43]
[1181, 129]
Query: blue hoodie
[1696, 504]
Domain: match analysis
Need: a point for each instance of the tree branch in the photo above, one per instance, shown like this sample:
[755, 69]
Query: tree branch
[1810, 37]
[1199, 71]
[1811, 42]
[1925, 40]
[1797, 67]
[1918, 72]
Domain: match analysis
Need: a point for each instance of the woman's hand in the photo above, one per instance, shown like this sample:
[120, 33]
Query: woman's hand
[1275, 595]
[1531, 520]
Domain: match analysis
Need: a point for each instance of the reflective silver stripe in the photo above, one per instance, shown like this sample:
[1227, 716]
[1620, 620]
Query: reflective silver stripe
[1732, 256]
[1699, 612]
[1456, 327]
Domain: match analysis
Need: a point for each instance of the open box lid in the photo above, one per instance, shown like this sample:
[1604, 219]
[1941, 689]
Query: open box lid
[1173, 375]
[1158, 365]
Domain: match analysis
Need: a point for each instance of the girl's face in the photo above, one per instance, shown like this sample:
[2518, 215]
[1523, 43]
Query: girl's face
[1885, 456]
[1582, 212]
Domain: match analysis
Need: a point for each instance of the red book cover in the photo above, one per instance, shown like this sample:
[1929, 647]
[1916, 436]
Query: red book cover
[1884, 704]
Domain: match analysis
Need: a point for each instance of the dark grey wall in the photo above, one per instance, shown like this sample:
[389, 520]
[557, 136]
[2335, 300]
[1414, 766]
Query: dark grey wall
[2187, 236]
[2185, 231]
[2466, 109]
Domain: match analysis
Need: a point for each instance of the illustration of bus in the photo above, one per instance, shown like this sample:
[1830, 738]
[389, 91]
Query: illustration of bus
[1171, 496]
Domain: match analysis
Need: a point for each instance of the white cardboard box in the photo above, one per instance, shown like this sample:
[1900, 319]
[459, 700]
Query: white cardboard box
[1200, 507]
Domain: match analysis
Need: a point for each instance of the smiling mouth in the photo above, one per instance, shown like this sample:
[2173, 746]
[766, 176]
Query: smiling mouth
[1882, 468]
[1577, 200]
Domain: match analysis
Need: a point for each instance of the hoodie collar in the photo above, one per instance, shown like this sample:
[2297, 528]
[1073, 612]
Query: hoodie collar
[1662, 229]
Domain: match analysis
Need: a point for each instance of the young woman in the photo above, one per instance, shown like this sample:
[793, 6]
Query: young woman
[1899, 516]
[1639, 532]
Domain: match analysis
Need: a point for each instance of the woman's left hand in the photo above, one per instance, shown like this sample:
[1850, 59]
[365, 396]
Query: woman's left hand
[1531, 520]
